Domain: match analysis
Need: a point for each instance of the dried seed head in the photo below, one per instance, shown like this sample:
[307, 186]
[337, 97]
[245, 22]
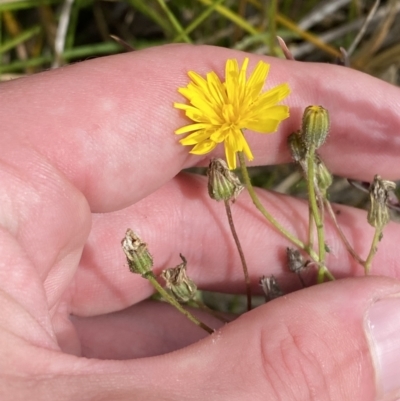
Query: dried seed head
[223, 184]
[297, 147]
[270, 287]
[378, 213]
[295, 260]
[139, 258]
[315, 126]
[181, 286]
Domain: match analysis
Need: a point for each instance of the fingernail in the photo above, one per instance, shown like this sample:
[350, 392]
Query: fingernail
[383, 327]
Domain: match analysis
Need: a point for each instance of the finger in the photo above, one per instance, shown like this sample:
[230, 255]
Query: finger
[108, 124]
[181, 218]
[156, 327]
[44, 222]
[336, 341]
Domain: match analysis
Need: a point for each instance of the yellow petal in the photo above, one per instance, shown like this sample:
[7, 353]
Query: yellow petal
[216, 89]
[189, 92]
[195, 138]
[197, 79]
[191, 127]
[279, 112]
[274, 95]
[257, 79]
[230, 151]
[181, 106]
[246, 149]
[231, 79]
[230, 157]
[242, 74]
[265, 127]
[197, 115]
[206, 108]
[259, 115]
[219, 135]
[203, 147]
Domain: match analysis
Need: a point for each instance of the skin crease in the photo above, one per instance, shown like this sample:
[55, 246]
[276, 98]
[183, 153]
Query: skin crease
[88, 151]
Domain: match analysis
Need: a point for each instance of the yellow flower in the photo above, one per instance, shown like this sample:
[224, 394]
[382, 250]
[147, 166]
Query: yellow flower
[221, 111]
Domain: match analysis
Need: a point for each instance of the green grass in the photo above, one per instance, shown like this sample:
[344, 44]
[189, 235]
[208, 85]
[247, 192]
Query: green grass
[29, 29]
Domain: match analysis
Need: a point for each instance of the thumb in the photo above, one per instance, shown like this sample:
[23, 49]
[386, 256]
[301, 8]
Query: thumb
[335, 341]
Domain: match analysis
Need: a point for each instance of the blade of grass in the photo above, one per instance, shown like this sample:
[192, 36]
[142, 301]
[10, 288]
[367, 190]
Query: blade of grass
[101, 21]
[174, 22]
[272, 11]
[13, 28]
[363, 29]
[62, 28]
[289, 24]
[7, 5]
[292, 26]
[24, 36]
[230, 15]
[202, 17]
[149, 11]
[238, 32]
[80, 52]
[373, 45]
[73, 21]
[70, 54]
[320, 12]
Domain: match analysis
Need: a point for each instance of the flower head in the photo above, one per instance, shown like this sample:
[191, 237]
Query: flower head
[222, 110]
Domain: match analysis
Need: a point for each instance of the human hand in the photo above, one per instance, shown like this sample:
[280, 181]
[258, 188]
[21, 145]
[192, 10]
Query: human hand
[89, 150]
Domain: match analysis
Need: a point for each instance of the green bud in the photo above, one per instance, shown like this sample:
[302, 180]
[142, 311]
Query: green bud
[139, 259]
[378, 213]
[223, 184]
[315, 126]
[181, 286]
[324, 177]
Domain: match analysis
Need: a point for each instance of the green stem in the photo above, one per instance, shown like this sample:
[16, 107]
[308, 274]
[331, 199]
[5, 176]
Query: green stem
[212, 312]
[349, 248]
[294, 240]
[315, 211]
[372, 251]
[310, 228]
[322, 272]
[169, 298]
[241, 254]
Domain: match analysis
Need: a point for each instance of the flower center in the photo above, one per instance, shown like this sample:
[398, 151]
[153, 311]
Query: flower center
[229, 115]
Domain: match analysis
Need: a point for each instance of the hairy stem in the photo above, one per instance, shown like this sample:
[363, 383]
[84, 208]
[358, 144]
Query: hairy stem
[170, 299]
[294, 240]
[241, 254]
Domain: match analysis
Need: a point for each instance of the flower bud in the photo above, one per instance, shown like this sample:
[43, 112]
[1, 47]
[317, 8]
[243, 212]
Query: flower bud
[181, 286]
[378, 213]
[223, 184]
[315, 126]
[139, 258]
[324, 177]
